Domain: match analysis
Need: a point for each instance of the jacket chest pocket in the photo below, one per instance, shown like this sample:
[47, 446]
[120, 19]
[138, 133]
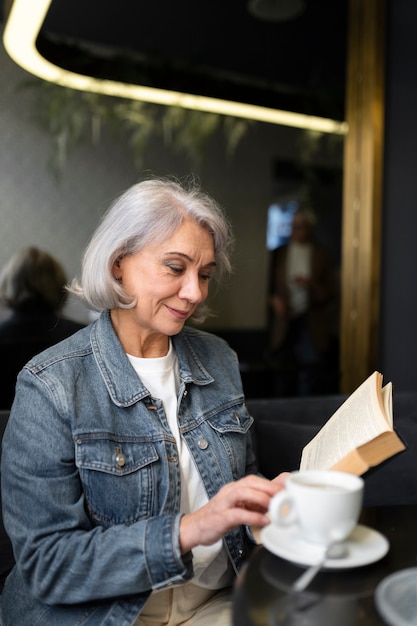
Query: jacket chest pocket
[118, 475]
[232, 428]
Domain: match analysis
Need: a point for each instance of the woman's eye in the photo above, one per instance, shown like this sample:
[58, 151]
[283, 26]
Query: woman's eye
[179, 269]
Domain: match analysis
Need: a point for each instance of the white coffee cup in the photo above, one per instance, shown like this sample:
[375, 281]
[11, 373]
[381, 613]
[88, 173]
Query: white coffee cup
[324, 504]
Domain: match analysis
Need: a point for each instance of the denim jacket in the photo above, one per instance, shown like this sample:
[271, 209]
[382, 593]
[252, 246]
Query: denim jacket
[91, 480]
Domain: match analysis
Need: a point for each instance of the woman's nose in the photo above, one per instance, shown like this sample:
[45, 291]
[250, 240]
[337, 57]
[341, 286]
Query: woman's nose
[191, 290]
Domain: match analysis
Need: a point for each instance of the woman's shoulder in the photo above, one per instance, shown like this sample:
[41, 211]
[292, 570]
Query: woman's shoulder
[205, 343]
[76, 343]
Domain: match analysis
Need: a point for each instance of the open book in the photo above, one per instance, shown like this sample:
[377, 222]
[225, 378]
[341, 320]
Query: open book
[359, 435]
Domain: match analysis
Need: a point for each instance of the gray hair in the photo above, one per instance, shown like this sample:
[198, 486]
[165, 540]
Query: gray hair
[149, 212]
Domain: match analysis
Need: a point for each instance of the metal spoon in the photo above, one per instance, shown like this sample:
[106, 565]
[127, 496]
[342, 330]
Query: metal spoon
[333, 551]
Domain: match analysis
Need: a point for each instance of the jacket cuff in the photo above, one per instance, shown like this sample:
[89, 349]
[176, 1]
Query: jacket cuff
[164, 561]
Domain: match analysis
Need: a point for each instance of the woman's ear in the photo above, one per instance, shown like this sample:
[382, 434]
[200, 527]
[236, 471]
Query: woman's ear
[117, 270]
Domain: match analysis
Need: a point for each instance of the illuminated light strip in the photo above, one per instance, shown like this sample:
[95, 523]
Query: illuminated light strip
[22, 29]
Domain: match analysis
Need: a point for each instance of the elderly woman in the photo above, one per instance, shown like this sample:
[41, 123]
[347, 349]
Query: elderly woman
[128, 475]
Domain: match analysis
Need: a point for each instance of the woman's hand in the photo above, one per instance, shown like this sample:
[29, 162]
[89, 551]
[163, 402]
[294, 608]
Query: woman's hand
[279, 481]
[245, 501]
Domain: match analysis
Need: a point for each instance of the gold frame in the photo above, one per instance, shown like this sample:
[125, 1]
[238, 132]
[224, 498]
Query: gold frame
[362, 193]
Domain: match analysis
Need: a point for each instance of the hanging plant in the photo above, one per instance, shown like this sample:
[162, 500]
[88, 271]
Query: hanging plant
[70, 116]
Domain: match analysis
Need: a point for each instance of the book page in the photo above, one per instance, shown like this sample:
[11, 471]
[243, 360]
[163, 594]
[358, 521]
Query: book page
[357, 421]
[387, 401]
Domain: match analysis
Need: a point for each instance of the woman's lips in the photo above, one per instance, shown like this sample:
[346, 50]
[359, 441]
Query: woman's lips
[181, 315]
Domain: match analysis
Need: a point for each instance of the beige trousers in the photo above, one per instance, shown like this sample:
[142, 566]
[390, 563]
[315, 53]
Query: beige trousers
[187, 605]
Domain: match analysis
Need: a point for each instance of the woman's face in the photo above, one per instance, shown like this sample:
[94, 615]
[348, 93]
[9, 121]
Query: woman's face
[168, 280]
[301, 230]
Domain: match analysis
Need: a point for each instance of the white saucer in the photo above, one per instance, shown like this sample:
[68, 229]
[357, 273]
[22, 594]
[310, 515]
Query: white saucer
[365, 546]
[396, 598]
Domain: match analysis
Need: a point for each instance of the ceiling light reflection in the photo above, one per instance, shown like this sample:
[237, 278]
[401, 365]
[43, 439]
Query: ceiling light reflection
[24, 24]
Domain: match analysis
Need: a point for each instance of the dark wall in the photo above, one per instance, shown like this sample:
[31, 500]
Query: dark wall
[398, 328]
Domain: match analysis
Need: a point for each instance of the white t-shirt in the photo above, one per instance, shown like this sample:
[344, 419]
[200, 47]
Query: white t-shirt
[161, 377]
[298, 265]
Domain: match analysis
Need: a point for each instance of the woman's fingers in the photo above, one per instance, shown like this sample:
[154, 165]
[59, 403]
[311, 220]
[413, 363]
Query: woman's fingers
[280, 479]
[245, 501]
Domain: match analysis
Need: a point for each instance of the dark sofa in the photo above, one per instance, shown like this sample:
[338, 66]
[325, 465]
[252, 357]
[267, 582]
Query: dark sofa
[284, 425]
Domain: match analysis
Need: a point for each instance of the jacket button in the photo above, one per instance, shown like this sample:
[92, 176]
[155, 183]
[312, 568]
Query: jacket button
[202, 443]
[120, 458]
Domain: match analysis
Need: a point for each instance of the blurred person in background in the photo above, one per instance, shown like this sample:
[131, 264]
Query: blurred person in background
[302, 306]
[32, 287]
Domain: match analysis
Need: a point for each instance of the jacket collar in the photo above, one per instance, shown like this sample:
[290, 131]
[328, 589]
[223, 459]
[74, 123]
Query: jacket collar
[122, 382]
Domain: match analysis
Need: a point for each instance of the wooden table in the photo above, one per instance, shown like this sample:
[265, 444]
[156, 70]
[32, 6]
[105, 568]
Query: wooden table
[334, 597]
